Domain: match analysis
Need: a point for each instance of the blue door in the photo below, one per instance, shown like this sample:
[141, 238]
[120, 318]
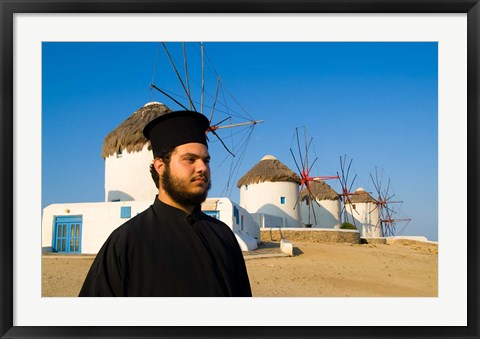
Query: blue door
[67, 234]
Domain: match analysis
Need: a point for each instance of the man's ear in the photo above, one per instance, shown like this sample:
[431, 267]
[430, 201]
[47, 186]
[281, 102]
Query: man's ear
[159, 165]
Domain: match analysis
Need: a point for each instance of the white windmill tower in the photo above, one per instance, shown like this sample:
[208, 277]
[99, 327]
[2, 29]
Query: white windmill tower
[320, 206]
[363, 209]
[271, 188]
[128, 157]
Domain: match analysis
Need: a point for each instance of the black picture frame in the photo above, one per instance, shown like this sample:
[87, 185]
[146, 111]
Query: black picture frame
[10, 7]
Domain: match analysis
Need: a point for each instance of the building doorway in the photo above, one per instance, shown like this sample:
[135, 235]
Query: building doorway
[67, 234]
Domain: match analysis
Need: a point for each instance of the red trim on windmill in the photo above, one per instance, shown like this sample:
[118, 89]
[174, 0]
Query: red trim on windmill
[304, 170]
[386, 212]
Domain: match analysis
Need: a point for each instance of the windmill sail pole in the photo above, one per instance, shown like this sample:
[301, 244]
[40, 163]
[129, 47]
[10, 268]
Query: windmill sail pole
[178, 76]
[168, 96]
[253, 122]
[215, 100]
[186, 71]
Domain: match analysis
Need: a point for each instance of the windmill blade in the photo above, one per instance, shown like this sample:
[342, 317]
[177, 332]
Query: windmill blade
[389, 198]
[295, 160]
[351, 213]
[385, 193]
[378, 178]
[169, 96]
[203, 77]
[375, 184]
[313, 163]
[404, 227]
[299, 149]
[296, 202]
[185, 66]
[220, 139]
[306, 147]
[348, 169]
[215, 100]
[353, 181]
[311, 211]
[342, 165]
[212, 105]
[351, 205]
[178, 75]
[307, 150]
[221, 121]
[389, 210]
[347, 189]
[312, 198]
[375, 208]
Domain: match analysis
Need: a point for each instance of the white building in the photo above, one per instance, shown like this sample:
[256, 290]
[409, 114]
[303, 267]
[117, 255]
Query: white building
[84, 227]
[129, 190]
[320, 206]
[269, 191]
[365, 210]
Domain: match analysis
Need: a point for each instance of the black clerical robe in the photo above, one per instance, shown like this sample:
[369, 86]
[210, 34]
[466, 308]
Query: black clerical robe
[163, 252]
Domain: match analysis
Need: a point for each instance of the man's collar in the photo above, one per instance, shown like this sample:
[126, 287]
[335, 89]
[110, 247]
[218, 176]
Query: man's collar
[161, 207]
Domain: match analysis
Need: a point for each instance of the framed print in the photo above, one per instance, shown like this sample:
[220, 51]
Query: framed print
[30, 28]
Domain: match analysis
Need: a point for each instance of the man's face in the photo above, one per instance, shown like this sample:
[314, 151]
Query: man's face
[187, 178]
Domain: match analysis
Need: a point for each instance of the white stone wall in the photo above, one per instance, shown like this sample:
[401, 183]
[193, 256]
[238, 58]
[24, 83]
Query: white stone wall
[98, 221]
[245, 229]
[327, 214]
[128, 177]
[265, 198]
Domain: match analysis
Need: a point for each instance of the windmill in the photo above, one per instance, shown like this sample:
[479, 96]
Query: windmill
[348, 208]
[301, 158]
[222, 114]
[387, 211]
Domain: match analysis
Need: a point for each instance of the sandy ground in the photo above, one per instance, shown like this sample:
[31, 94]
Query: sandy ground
[316, 269]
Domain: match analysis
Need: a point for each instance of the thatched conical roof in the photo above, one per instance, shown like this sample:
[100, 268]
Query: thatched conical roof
[360, 196]
[269, 169]
[129, 134]
[320, 191]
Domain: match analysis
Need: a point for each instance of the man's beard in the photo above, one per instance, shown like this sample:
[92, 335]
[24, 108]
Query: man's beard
[177, 190]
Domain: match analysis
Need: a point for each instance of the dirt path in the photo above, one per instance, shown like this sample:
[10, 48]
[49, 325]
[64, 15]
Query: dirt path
[327, 270]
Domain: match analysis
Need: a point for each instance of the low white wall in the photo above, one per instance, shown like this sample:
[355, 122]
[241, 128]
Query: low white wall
[98, 221]
[245, 241]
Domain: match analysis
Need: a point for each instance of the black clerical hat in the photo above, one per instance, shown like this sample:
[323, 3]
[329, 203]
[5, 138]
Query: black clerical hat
[176, 128]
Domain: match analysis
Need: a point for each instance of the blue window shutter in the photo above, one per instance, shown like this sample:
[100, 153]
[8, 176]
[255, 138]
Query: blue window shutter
[235, 214]
[125, 212]
[282, 200]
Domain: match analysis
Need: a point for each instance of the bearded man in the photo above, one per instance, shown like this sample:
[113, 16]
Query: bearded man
[172, 249]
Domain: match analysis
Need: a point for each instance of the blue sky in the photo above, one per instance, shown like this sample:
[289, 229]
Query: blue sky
[376, 103]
